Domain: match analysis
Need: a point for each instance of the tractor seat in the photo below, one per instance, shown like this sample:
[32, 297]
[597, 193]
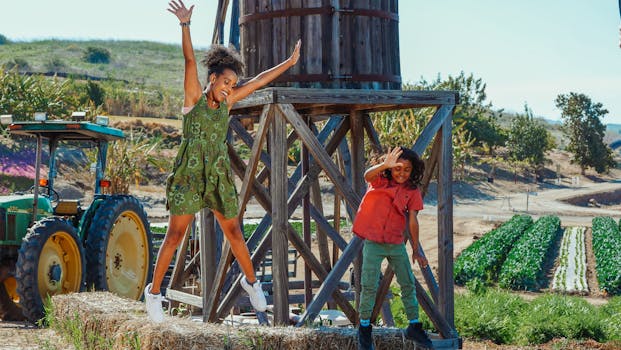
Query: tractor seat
[67, 207]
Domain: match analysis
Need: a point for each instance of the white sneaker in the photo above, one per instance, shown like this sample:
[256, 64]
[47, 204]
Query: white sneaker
[154, 305]
[255, 293]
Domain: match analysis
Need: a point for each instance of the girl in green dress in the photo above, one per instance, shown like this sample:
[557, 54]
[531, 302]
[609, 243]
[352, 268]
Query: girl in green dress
[201, 176]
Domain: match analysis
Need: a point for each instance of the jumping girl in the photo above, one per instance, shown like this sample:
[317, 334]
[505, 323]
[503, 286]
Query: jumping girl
[201, 176]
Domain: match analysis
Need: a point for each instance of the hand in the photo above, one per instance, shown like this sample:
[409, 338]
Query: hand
[421, 260]
[295, 55]
[178, 9]
[390, 161]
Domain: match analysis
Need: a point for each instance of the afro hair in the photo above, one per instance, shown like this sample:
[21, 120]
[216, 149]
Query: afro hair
[218, 58]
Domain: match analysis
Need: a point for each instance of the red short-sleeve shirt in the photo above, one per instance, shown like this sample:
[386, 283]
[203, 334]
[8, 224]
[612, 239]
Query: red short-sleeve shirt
[382, 214]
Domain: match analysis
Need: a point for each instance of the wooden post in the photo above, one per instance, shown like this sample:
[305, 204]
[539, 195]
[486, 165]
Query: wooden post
[445, 224]
[358, 183]
[278, 190]
[207, 243]
[306, 227]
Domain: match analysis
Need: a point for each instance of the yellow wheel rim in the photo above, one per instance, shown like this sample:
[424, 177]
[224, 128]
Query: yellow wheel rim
[127, 256]
[10, 284]
[60, 265]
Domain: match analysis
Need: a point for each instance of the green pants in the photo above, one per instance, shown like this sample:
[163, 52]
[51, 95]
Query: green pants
[372, 256]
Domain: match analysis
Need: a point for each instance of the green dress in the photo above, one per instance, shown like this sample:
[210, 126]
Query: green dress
[201, 176]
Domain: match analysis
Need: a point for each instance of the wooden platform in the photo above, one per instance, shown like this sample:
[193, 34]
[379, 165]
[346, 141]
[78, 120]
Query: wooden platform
[324, 102]
[331, 127]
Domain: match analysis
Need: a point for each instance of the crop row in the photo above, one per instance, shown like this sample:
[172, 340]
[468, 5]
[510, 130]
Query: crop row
[484, 257]
[607, 249]
[570, 275]
[524, 266]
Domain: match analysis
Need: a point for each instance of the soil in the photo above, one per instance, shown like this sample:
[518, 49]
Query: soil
[478, 207]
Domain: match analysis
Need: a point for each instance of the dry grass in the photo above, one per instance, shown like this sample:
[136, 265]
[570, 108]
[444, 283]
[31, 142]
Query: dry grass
[124, 323]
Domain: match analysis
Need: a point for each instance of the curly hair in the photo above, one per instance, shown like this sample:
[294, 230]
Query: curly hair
[418, 167]
[218, 58]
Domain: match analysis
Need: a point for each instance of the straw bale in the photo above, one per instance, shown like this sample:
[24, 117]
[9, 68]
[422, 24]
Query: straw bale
[124, 323]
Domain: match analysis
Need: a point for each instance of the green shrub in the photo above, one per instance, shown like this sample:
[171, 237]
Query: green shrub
[4, 40]
[611, 317]
[55, 64]
[557, 316]
[490, 315]
[96, 55]
[18, 63]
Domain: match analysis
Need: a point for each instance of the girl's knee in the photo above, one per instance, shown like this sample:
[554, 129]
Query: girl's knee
[173, 237]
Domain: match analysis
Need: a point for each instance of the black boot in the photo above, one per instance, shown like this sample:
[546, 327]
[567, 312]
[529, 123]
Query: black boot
[416, 333]
[365, 338]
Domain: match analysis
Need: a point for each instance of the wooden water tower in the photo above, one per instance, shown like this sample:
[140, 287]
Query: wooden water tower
[345, 44]
[349, 67]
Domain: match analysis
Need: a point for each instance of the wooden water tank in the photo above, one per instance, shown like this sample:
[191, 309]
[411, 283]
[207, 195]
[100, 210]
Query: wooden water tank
[345, 43]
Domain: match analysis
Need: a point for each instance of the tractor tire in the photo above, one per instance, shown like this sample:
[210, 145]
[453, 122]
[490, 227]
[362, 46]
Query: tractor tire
[50, 262]
[119, 247]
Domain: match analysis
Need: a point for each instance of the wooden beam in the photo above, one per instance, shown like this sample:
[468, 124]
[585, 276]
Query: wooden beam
[357, 178]
[331, 281]
[372, 134]
[262, 197]
[214, 295]
[176, 280]
[208, 248]
[431, 129]
[266, 120]
[348, 97]
[320, 155]
[278, 190]
[445, 223]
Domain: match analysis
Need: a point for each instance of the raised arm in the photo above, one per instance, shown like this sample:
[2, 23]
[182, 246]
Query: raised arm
[265, 77]
[191, 85]
[390, 161]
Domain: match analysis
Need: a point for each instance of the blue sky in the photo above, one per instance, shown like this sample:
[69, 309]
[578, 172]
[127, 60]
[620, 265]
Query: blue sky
[527, 51]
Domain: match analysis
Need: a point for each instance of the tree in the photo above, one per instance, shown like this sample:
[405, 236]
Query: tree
[96, 55]
[585, 131]
[4, 39]
[529, 140]
[473, 111]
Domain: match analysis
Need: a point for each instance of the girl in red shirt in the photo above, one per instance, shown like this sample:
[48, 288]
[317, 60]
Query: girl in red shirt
[392, 198]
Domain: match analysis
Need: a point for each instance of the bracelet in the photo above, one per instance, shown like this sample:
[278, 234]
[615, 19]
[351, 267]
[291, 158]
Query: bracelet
[184, 24]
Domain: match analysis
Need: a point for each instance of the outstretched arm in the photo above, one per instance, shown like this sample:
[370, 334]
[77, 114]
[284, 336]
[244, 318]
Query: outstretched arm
[265, 77]
[191, 84]
[390, 161]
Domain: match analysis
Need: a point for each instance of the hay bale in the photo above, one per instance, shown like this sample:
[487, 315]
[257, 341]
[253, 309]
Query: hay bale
[123, 324]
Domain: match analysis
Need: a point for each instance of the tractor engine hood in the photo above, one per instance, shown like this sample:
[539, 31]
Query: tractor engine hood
[22, 203]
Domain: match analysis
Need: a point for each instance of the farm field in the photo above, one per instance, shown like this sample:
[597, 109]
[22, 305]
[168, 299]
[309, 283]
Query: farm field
[570, 275]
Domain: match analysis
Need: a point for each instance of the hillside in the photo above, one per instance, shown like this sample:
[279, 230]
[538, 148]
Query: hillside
[137, 62]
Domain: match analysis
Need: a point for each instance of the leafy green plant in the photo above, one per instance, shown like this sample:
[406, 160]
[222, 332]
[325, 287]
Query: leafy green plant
[524, 266]
[483, 258]
[22, 95]
[606, 247]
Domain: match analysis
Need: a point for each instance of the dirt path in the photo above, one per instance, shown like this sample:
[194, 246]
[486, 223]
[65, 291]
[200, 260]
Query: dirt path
[25, 336]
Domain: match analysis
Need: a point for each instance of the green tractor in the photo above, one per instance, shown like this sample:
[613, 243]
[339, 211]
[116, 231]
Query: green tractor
[49, 245]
